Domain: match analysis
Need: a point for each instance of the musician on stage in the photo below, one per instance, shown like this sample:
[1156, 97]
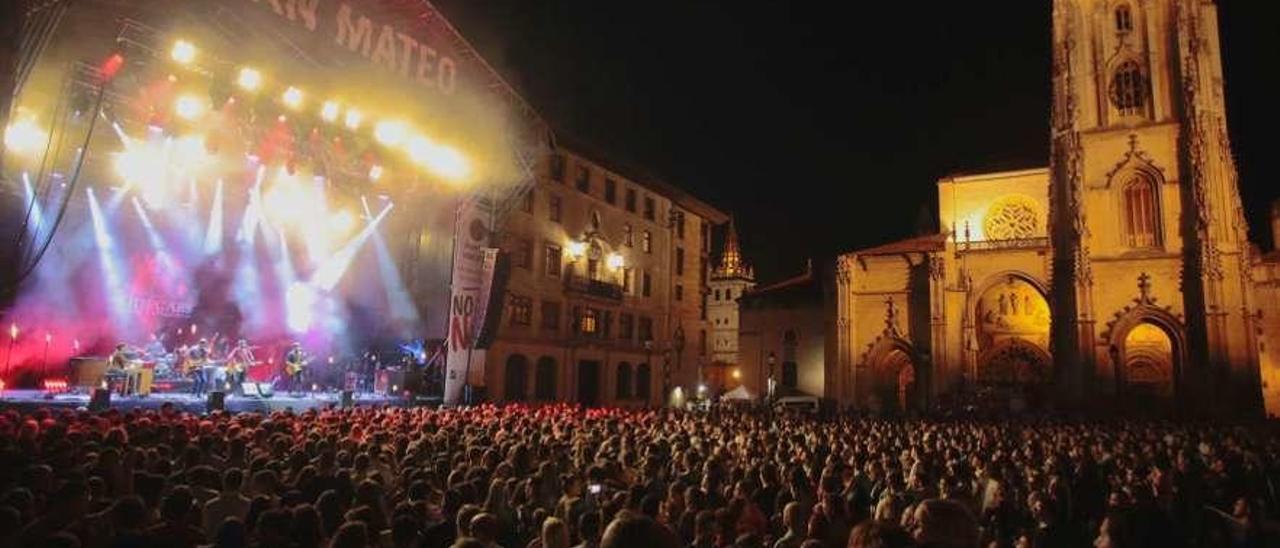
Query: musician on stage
[117, 369]
[295, 362]
[155, 350]
[197, 358]
[238, 362]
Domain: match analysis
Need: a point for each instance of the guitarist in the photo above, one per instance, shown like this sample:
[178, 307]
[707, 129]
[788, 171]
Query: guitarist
[197, 359]
[295, 362]
[238, 362]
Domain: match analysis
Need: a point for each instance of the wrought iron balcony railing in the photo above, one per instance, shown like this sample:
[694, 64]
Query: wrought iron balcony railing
[595, 288]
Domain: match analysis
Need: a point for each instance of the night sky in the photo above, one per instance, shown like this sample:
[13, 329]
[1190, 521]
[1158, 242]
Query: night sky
[822, 128]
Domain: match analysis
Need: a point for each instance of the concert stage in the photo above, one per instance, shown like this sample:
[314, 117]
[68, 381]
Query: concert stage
[27, 400]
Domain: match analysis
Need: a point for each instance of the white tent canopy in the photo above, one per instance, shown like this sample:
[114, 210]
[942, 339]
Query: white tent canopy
[740, 393]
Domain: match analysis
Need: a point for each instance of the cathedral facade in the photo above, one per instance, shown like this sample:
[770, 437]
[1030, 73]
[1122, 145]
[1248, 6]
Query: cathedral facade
[1119, 276]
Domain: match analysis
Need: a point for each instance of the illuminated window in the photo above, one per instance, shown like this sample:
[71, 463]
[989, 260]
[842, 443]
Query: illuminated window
[628, 285]
[590, 321]
[628, 236]
[521, 310]
[1124, 19]
[1142, 218]
[1128, 89]
[646, 242]
[551, 258]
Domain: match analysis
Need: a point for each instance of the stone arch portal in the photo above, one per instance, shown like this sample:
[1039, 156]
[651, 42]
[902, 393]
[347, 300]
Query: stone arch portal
[1146, 352]
[895, 379]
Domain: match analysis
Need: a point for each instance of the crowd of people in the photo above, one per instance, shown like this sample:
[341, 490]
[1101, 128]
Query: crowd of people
[558, 476]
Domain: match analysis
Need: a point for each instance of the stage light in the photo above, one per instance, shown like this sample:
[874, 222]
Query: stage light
[13, 331]
[375, 172]
[342, 221]
[353, 119]
[390, 132]
[419, 148]
[24, 136]
[183, 52]
[329, 111]
[576, 249]
[188, 107]
[441, 160]
[292, 97]
[249, 79]
[615, 261]
[737, 374]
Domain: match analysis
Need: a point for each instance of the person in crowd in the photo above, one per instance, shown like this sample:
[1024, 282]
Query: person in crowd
[558, 475]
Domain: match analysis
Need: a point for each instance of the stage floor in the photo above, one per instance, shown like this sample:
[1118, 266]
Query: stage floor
[34, 399]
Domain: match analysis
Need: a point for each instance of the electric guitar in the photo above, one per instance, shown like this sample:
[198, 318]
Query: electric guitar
[293, 367]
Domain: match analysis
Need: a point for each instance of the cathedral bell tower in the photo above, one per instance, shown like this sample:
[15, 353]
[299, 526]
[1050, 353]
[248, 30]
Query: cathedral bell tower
[1143, 194]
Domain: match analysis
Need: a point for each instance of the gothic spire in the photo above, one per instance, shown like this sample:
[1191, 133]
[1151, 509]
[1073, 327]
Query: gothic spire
[731, 264]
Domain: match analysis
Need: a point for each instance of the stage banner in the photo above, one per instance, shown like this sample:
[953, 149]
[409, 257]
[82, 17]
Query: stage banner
[473, 267]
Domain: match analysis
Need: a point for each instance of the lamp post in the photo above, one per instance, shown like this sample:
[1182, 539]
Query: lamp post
[677, 343]
[648, 355]
[773, 358]
[44, 362]
[666, 374]
[8, 356]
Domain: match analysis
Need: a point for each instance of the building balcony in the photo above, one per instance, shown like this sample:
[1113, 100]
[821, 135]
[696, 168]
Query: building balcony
[1031, 244]
[595, 288]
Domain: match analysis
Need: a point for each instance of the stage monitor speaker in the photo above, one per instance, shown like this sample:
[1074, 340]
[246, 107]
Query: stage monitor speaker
[100, 401]
[348, 399]
[88, 372]
[258, 389]
[217, 401]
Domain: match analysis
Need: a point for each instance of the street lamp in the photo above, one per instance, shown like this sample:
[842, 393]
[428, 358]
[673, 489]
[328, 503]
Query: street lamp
[8, 357]
[677, 343]
[44, 363]
[773, 358]
[648, 355]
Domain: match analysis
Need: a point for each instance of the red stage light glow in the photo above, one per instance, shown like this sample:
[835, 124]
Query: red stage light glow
[111, 66]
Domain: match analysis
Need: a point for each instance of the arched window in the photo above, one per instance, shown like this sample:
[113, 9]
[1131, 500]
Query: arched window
[642, 381]
[545, 379]
[1142, 213]
[1128, 88]
[624, 381]
[1124, 18]
[516, 378]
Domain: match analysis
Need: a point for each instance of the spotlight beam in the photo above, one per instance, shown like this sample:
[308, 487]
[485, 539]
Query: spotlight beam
[213, 237]
[398, 298]
[113, 279]
[331, 271]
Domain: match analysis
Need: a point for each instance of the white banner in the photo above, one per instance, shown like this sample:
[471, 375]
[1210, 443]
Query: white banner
[465, 364]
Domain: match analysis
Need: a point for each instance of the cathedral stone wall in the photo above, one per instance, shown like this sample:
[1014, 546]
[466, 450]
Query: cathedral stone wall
[1120, 278]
